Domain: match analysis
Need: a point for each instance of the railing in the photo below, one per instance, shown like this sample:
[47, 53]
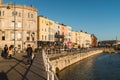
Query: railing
[79, 50]
[49, 68]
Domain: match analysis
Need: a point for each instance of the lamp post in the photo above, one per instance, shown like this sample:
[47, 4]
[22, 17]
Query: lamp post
[58, 42]
[14, 14]
[33, 35]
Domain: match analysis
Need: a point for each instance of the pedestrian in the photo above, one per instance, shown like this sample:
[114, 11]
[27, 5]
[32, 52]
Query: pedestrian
[5, 51]
[30, 54]
[10, 52]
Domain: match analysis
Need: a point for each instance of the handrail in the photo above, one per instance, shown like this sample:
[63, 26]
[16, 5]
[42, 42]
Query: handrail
[50, 73]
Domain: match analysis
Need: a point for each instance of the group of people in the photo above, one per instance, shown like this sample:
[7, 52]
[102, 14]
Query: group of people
[8, 52]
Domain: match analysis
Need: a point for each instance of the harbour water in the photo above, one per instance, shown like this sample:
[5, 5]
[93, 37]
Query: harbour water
[105, 66]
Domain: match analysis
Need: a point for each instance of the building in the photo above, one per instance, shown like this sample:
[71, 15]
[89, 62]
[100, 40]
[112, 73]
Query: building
[74, 39]
[68, 36]
[108, 43]
[59, 37]
[46, 31]
[18, 25]
[85, 39]
[64, 33]
[94, 41]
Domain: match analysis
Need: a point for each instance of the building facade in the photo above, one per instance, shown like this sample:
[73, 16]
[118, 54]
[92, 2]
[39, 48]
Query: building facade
[46, 31]
[18, 25]
[68, 36]
[94, 41]
[84, 39]
[59, 37]
[74, 39]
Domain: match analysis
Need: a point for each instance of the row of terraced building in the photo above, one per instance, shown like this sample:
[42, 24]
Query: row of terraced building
[20, 25]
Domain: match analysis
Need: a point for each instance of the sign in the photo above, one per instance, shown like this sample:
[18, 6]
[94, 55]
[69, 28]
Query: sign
[69, 43]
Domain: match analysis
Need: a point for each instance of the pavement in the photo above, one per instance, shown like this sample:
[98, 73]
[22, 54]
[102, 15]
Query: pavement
[17, 68]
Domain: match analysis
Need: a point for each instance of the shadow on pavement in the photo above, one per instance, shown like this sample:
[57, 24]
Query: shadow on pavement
[21, 62]
[3, 76]
[27, 70]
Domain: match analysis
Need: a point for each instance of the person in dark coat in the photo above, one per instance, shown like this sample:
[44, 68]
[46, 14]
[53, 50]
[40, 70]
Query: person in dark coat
[5, 51]
[29, 54]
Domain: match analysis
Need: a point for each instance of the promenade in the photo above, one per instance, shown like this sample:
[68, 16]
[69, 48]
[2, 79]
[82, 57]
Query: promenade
[16, 68]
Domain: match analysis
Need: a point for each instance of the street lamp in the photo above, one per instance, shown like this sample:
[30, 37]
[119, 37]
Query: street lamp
[59, 41]
[14, 13]
[33, 35]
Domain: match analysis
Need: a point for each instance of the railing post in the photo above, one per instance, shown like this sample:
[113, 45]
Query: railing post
[49, 68]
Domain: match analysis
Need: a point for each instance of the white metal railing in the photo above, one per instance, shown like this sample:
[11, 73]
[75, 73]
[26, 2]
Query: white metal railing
[49, 68]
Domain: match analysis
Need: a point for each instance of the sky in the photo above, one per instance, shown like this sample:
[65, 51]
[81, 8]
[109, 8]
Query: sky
[98, 17]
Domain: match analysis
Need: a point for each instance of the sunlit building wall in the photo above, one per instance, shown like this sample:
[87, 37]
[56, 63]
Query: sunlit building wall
[46, 30]
[78, 38]
[94, 40]
[18, 19]
[85, 39]
[74, 37]
[68, 36]
[64, 32]
[57, 28]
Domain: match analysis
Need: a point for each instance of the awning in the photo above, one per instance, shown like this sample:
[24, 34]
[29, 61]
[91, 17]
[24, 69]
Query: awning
[69, 43]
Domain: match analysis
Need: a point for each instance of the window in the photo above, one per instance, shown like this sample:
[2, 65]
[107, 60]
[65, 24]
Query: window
[49, 37]
[28, 15]
[31, 15]
[12, 24]
[12, 36]
[28, 36]
[48, 29]
[45, 29]
[69, 34]
[19, 14]
[45, 38]
[62, 33]
[3, 13]
[31, 25]
[58, 32]
[19, 36]
[3, 23]
[14, 13]
[69, 39]
[3, 35]
[19, 46]
[42, 37]
[19, 24]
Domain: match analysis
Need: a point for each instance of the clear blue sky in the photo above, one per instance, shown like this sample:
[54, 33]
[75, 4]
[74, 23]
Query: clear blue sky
[99, 17]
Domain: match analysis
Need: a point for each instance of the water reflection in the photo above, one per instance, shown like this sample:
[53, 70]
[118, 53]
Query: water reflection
[99, 67]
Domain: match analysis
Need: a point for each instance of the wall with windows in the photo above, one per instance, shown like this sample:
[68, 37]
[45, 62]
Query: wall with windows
[18, 23]
[45, 29]
[85, 39]
[57, 28]
[74, 37]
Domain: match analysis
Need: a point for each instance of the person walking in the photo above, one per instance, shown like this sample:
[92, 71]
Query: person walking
[10, 52]
[5, 51]
[29, 54]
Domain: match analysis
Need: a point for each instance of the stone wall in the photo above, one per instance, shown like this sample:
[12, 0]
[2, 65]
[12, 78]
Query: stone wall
[65, 61]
